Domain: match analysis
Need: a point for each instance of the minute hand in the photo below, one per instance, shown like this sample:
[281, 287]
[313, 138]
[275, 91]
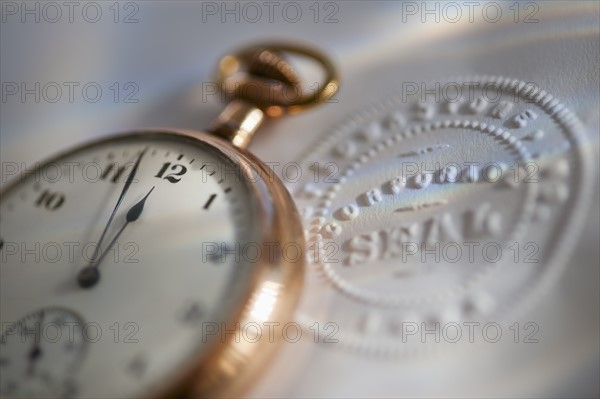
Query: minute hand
[121, 196]
[90, 275]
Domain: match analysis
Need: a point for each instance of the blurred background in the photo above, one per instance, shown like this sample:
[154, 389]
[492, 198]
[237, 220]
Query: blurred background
[137, 64]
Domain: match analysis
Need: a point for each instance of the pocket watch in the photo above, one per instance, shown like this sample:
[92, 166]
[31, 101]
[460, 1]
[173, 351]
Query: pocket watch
[159, 262]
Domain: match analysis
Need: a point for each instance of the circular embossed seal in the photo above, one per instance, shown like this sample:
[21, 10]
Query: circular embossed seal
[456, 204]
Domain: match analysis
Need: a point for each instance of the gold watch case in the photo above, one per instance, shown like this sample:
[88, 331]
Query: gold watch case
[227, 367]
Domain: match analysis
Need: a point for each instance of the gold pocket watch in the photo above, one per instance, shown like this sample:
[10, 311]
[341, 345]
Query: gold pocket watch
[156, 263]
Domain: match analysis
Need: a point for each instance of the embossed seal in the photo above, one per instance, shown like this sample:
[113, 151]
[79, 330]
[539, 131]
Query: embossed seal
[454, 209]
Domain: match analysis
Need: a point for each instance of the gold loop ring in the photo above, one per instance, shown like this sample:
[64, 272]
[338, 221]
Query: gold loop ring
[261, 76]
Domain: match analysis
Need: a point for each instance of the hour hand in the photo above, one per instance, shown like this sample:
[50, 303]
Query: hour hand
[90, 275]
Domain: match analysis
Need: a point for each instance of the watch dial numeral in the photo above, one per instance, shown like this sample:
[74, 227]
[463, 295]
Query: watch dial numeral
[192, 313]
[178, 170]
[50, 200]
[113, 172]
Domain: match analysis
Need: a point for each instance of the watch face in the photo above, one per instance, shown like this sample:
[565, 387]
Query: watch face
[117, 258]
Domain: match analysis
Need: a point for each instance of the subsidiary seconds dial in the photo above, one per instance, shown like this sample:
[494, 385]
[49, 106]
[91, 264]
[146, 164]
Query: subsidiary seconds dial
[41, 354]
